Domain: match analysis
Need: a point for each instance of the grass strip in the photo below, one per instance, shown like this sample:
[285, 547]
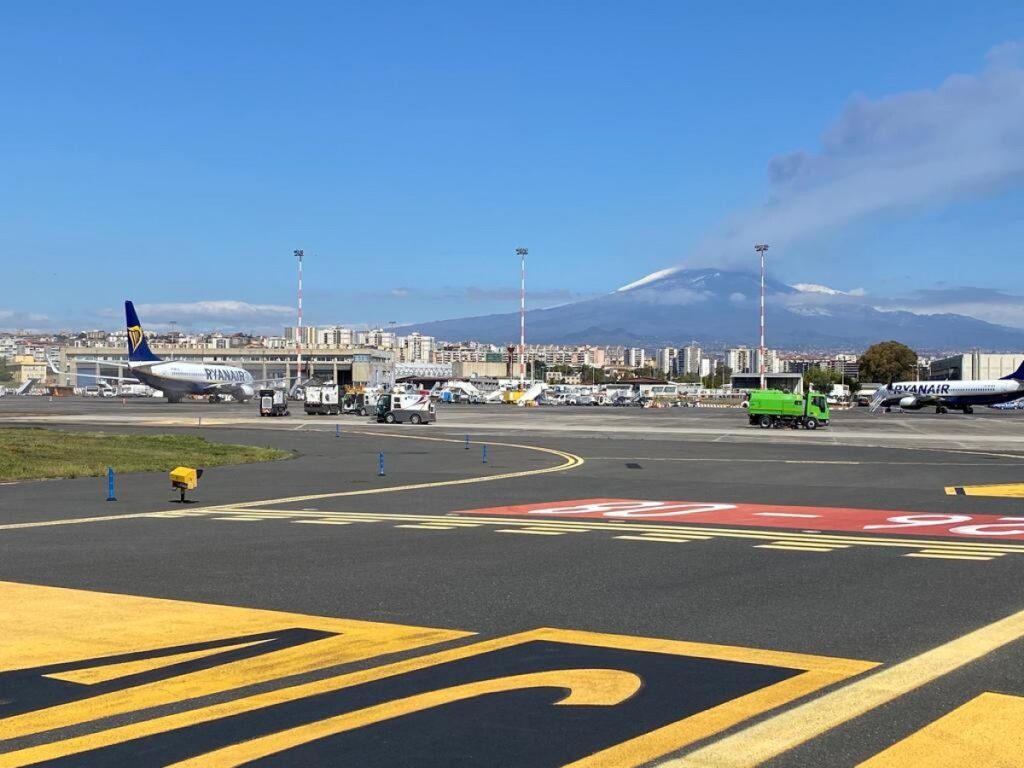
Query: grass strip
[33, 453]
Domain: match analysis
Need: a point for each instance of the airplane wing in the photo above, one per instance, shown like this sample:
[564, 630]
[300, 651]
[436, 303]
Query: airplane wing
[108, 363]
[227, 387]
[885, 398]
[120, 379]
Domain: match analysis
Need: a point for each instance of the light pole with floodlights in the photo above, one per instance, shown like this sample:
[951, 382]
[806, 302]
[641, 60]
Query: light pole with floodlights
[761, 248]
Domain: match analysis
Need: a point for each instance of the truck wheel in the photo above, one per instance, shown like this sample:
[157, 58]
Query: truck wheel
[389, 419]
[811, 423]
[362, 412]
[765, 422]
[415, 419]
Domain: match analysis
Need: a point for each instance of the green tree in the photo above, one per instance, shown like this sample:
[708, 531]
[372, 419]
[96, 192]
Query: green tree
[648, 372]
[821, 380]
[592, 375]
[719, 377]
[687, 378]
[5, 372]
[888, 361]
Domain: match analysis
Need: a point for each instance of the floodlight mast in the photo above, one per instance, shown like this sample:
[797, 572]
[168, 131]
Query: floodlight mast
[521, 253]
[761, 248]
[298, 332]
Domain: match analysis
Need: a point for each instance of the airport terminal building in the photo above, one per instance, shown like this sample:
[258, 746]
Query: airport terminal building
[357, 366]
[974, 366]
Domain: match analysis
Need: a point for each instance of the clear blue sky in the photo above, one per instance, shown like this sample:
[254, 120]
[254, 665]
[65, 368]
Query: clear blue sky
[177, 152]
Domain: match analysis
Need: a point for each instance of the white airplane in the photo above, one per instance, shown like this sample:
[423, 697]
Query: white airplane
[177, 378]
[958, 395]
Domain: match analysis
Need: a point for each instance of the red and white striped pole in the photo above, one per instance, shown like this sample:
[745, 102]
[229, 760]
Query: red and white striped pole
[521, 252]
[761, 248]
[298, 334]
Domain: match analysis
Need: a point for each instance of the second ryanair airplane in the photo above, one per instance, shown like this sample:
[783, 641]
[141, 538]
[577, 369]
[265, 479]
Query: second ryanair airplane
[177, 378]
[946, 395]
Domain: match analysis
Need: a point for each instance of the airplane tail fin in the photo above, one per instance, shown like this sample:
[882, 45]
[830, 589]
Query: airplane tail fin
[1018, 375]
[138, 347]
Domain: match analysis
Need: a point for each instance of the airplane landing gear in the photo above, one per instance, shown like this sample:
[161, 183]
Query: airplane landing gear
[214, 398]
[941, 409]
[968, 409]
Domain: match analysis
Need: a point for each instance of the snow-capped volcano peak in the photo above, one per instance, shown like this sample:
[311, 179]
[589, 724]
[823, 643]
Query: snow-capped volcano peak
[651, 278]
[824, 289]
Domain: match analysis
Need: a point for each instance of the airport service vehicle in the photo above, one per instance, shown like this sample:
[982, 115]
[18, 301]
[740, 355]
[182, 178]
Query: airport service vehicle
[177, 378]
[958, 395]
[769, 408]
[414, 407]
[361, 403]
[322, 400]
[273, 402]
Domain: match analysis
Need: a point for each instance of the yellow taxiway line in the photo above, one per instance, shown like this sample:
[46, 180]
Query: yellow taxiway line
[569, 461]
[772, 737]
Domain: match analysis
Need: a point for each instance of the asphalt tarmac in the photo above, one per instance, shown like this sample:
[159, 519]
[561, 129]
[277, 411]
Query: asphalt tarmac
[612, 587]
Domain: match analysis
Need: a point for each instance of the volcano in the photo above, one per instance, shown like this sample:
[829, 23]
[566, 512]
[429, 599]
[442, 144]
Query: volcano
[720, 308]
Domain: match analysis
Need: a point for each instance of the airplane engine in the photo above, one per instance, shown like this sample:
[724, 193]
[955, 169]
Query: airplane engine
[909, 403]
[245, 392]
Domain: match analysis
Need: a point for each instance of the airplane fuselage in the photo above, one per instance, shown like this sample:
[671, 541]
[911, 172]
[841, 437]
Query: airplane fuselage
[955, 394]
[178, 378]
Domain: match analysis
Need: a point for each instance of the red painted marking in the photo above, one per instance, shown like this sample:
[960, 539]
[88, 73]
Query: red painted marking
[883, 522]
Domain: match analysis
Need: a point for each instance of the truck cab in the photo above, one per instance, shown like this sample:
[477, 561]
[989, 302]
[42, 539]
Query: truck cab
[768, 408]
[273, 402]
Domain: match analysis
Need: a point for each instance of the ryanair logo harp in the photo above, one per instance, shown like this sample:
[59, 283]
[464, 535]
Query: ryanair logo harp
[134, 336]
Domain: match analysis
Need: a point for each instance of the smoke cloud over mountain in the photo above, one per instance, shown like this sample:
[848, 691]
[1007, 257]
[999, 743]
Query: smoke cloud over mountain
[958, 141]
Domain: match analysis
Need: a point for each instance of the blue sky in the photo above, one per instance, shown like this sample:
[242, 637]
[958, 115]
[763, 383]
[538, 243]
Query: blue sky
[176, 154]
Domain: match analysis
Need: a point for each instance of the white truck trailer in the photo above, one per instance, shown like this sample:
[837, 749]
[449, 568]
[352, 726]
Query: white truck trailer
[322, 400]
[397, 407]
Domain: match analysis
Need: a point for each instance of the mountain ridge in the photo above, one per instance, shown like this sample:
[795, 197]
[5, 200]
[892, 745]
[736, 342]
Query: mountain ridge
[719, 307]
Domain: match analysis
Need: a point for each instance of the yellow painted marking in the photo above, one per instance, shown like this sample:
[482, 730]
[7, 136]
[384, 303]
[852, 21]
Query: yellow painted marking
[587, 687]
[776, 735]
[105, 673]
[529, 532]
[239, 519]
[672, 540]
[570, 461]
[753, 533]
[73, 521]
[948, 557]
[793, 548]
[1002, 490]
[428, 527]
[59, 626]
[820, 671]
[654, 532]
[986, 731]
[958, 552]
[324, 522]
